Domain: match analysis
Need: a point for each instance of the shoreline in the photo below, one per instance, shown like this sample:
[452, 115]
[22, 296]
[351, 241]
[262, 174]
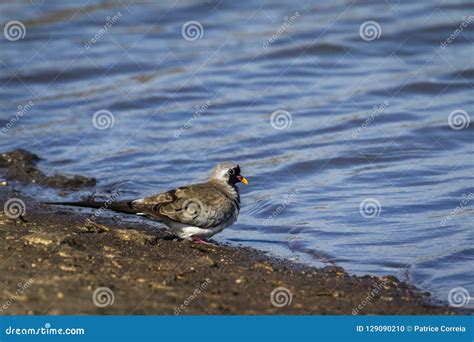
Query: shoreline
[55, 264]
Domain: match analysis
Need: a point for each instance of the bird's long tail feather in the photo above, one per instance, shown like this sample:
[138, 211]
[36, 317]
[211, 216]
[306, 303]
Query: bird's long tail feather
[123, 207]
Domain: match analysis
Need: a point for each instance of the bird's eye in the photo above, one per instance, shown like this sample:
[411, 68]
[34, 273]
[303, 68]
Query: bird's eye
[231, 172]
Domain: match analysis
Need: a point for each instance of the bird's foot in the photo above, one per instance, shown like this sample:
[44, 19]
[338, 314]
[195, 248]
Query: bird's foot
[197, 239]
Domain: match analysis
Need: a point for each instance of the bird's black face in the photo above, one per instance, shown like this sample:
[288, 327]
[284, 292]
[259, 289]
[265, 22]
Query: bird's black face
[235, 176]
[228, 173]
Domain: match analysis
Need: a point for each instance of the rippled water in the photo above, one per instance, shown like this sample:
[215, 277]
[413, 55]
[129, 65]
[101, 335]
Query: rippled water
[369, 175]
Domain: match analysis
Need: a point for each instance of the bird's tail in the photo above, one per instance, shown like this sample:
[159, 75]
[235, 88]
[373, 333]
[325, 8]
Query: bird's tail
[123, 206]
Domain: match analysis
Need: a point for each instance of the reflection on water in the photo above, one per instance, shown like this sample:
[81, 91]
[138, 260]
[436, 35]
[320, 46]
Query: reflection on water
[360, 164]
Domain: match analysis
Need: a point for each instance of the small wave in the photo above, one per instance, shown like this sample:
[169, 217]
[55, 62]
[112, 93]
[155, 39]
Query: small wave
[306, 50]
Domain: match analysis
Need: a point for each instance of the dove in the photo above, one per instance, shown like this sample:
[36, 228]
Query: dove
[193, 212]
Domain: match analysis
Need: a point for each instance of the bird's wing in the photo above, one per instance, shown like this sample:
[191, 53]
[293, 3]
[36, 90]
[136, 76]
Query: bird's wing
[199, 205]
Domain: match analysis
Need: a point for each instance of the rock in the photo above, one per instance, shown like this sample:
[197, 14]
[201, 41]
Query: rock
[93, 227]
[264, 266]
[40, 238]
[135, 236]
[67, 268]
[20, 165]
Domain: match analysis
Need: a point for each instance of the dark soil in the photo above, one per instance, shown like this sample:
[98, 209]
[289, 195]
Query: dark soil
[51, 263]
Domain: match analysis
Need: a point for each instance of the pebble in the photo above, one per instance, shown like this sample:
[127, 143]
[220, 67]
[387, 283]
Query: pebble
[37, 239]
[264, 266]
[67, 268]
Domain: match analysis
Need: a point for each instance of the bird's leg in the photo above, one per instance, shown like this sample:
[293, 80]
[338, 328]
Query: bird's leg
[197, 239]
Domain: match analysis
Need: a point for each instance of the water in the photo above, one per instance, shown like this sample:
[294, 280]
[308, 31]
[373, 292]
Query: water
[181, 105]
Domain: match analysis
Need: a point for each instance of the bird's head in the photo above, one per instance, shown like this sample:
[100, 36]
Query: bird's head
[228, 173]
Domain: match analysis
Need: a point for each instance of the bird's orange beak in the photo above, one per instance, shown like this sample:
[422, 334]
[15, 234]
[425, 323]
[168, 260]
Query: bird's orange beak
[243, 179]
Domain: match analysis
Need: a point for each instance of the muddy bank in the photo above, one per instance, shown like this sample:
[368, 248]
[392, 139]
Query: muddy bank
[52, 263]
[21, 165]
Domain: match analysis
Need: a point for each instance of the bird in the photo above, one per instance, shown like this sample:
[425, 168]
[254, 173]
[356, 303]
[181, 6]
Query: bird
[194, 212]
